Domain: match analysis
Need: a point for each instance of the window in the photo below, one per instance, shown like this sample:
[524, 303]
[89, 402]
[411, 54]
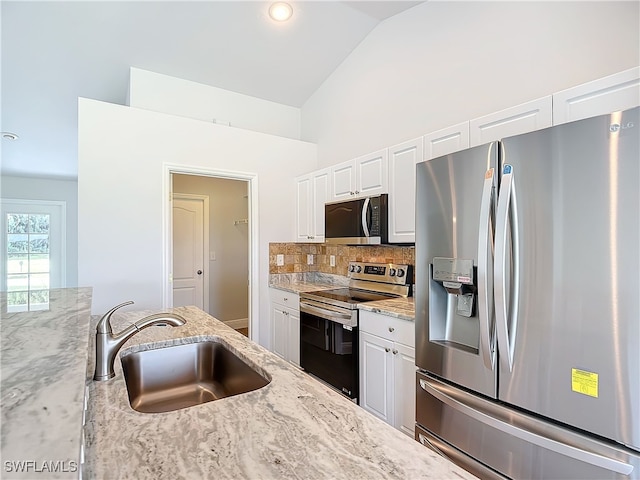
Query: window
[33, 252]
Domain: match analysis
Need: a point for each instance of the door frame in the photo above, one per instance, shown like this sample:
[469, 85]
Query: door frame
[167, 240]
[204, 199]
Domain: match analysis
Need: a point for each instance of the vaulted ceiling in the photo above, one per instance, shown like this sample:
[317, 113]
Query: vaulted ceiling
[54, 52]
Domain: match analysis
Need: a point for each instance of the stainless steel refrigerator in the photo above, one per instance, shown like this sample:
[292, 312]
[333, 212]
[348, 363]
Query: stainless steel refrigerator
[528, 303]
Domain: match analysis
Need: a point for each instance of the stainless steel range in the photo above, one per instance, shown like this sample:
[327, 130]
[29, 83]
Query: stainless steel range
[329, 321]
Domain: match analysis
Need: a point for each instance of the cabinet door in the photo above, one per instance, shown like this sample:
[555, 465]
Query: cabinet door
[620, 91]
[372, 174]
[376, 376]
[404, 365]
[320, 194]
[279, 329]
[402, 190]
[304, 188]
[523, 118]
[448, 140]
[343, 180]
[294, 336]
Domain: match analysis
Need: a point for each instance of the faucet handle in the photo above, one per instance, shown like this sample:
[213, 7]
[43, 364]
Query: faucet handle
[104, 324]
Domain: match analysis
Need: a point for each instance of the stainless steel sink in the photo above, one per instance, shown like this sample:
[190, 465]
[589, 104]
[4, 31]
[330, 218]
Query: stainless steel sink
[181, 376]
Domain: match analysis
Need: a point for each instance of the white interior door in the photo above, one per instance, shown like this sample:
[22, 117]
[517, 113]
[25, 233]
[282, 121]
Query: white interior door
[188, 251]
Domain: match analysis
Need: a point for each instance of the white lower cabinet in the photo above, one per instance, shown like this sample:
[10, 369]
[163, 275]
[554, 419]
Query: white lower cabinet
[285, 325]
[387, 369]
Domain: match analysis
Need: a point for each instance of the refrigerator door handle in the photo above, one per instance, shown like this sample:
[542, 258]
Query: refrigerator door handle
[485, 272]
[539, 440]
[365, 211]
[506, 216]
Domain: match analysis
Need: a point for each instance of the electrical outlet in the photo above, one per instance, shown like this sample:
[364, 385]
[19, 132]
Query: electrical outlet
[309, 259]
[332, 260]
[279, 259]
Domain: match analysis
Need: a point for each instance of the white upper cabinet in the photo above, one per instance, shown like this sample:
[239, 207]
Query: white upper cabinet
[446, 141]
[343, 180]
[620, 91]
[303, 208]
[402, 190]
[523, 118]
[312, 192]
[361, 177]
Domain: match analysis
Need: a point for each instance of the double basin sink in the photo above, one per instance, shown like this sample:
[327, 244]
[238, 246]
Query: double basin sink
[181, 376]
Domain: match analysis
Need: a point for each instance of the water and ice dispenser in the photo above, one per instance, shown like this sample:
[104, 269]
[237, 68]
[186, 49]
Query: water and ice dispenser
[452, 303]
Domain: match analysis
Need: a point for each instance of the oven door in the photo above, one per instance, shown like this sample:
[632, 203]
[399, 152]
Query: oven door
[329, 349]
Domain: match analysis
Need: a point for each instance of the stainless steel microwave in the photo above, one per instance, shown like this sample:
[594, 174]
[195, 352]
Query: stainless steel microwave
[361, 221]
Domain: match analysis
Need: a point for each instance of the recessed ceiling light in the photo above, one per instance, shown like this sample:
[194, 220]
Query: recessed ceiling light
[280, 11]
[9, 136]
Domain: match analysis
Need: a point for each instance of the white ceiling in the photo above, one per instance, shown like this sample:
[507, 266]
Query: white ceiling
[54, 52]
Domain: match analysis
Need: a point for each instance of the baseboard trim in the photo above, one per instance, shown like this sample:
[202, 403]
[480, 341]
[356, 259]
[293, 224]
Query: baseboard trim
[238, 323]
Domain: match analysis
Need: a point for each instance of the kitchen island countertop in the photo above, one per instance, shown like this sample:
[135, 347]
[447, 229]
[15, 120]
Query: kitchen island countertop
[44, 362]
[295, 427]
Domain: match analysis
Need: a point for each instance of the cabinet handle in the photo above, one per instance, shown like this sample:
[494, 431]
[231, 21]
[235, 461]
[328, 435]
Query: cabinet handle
[391, 329]
[285, 299]
[395, 352]
[387, 350]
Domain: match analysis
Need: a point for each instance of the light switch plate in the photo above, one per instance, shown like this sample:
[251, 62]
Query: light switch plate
[280, 259]
[332, 260]
[309, 259]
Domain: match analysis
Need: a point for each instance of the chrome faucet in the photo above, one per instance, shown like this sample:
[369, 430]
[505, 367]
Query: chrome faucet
[108, 344]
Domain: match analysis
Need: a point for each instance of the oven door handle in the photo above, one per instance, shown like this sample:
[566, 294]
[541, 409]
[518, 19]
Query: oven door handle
[322, 312]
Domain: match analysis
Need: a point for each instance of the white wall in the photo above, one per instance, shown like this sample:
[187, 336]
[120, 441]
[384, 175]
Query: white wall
[31, 188]
[441, 63]
[162, 93]
[121, 156]
[228, 273]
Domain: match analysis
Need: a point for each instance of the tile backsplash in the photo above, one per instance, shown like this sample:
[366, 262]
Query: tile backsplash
[295, 256]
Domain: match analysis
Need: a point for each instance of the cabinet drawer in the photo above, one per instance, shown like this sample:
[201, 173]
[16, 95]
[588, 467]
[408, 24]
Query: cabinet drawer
[391, 328]
[288, 299]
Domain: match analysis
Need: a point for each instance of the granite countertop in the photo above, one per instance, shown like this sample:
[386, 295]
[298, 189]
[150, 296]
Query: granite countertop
[302, 287]
[295, 427]
[400, 307]
[44, 365]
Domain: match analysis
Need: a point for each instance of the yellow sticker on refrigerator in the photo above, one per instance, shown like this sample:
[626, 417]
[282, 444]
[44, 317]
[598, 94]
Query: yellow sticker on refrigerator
[584, 382]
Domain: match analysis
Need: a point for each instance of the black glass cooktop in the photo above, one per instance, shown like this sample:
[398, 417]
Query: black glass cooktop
[349, 296]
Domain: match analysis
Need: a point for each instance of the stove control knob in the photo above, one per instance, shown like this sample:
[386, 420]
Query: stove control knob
[358, 268]
[392, 272]
[400, 272]
[352, 268]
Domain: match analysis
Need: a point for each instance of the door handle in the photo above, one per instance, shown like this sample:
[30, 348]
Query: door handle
[199, 272]
[539, 440]
[485, 272]
[507, 216]
[365, 211]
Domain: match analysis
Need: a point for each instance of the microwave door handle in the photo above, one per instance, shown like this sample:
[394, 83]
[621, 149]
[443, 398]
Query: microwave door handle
[364, 216]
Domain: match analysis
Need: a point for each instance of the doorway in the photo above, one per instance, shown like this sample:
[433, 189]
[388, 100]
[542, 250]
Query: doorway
[223, 248]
